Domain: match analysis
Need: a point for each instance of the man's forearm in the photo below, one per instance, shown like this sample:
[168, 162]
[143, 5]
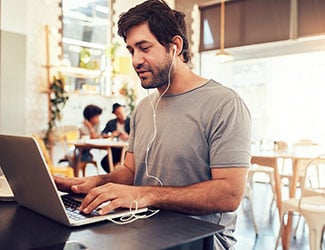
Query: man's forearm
[202, 198]
[121, 175]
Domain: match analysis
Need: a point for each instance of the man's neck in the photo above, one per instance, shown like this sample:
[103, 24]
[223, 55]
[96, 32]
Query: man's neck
[182, 81]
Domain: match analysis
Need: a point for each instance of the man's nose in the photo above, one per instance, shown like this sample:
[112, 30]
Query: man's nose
[137, 60]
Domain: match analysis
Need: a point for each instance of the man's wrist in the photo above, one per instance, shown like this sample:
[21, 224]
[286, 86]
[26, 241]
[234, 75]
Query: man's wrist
[100, 180]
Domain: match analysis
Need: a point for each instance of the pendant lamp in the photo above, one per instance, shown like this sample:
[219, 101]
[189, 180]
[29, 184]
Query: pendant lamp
[222, 55]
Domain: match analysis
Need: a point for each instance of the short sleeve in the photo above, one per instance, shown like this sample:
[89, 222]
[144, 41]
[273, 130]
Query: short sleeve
[230, 138]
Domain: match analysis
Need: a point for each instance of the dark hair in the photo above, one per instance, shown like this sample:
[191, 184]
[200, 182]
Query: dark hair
[164, 23]
[91, 110]
[116, 106]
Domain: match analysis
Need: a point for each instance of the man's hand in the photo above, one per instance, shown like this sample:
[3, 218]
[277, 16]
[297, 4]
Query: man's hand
[114, 196]
[88, 124]
[76, 185]
[124, 136]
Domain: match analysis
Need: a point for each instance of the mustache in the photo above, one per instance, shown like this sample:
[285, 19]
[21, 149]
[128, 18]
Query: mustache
[142, 67]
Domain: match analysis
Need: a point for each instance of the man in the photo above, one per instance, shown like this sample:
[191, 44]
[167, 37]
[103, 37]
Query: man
[116, 128]
[90, 126]
[189, 145]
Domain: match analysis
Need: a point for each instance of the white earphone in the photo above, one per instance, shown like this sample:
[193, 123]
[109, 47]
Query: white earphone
[174, 48]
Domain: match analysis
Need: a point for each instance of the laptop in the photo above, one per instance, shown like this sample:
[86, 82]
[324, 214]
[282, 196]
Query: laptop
[33, 187]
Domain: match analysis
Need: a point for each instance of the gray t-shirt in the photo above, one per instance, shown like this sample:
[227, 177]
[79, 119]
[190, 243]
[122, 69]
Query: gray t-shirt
[207, 127]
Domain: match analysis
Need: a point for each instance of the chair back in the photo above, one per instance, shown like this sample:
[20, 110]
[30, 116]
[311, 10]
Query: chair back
[67, 135]
[70, 133]
[314, 180]
[44, 150]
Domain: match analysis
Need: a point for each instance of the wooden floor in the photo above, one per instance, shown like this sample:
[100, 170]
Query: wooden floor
[267, 219]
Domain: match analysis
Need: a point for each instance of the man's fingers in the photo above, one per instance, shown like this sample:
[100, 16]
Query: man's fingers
[92, 200]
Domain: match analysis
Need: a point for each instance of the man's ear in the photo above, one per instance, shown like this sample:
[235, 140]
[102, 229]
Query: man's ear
[177, 41]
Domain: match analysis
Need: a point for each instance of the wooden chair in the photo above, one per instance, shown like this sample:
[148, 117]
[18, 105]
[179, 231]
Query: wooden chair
[54, 170]
[69, 135]
[82, 167]
[311, 203]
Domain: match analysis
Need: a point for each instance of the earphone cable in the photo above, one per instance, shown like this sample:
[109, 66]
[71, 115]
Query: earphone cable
[154, 110]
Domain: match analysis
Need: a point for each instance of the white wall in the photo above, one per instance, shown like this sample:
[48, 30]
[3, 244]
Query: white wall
[12, 83]
[285, 94]
[13, 66]
[14, 23]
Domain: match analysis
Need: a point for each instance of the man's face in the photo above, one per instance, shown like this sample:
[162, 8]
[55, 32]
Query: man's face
[94, 120]
[120, 114]
[150, 59]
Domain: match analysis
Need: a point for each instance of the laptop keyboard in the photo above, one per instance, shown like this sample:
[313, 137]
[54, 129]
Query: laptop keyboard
[71, 207]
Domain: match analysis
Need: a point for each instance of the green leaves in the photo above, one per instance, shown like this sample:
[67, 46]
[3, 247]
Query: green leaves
[58, 99]
[129, 94]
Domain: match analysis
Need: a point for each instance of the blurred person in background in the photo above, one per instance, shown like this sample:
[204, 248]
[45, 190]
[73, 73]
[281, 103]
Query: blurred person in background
[117, 129]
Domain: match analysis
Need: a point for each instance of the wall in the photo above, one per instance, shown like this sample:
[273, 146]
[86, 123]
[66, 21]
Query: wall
[12, 67]
[192, 19]
[12, 83]
[283, 93]
[23, 105]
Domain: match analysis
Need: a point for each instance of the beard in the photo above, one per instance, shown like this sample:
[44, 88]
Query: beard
[159, 75]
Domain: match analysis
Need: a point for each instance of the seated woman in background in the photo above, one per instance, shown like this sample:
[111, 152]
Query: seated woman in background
[118, 128]
[90, 127]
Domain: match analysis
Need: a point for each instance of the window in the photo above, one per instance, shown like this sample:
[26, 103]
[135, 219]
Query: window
[311, 20]
[86, 35]
[85, 31]
[246, 22]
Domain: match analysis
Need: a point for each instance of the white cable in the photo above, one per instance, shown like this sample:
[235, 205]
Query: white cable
[133, 216]
[154, 111]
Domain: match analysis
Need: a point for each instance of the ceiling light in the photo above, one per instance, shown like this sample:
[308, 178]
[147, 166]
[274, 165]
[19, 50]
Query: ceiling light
[223, 56]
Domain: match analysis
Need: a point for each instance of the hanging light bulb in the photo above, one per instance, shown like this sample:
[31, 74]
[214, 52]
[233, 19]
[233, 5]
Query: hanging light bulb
[223, 56]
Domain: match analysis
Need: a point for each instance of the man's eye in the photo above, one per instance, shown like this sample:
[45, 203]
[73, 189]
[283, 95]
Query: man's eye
[145, 48]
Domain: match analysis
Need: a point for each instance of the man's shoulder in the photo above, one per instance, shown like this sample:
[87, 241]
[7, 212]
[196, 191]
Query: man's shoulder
[112, 121]
[215, 89]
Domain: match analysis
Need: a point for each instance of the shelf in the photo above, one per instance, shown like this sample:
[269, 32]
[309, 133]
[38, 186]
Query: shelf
[80, 72]
[83, 44]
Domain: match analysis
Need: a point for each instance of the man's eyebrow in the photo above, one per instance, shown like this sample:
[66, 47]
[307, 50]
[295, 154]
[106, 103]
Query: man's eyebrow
[138, 44]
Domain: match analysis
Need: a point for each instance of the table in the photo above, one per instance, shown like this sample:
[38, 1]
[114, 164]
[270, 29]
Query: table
[270, 159]
[105, 144]
[20, 228]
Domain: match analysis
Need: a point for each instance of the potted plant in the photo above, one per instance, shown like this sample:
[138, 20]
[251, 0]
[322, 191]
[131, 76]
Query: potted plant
[58, 97]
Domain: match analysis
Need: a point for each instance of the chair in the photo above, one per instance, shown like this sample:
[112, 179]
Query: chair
[82, 167]
[311, 203]
[267, 171]
[54, 170]
[303, 146]
[255, 169]
[69, 135]
[248, 196]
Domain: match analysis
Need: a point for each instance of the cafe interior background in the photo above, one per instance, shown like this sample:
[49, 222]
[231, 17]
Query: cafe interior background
[278, 64]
